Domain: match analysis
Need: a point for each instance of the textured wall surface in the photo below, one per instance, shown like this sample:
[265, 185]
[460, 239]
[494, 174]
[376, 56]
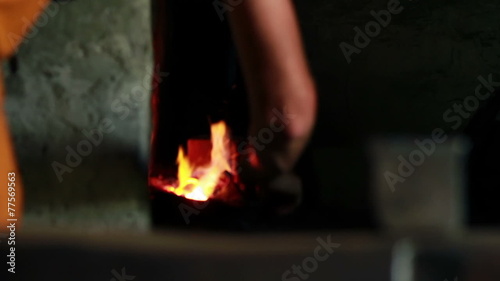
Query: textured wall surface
[80, 69]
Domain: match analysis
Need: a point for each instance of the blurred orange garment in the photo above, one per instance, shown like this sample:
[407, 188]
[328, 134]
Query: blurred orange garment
[16, 17]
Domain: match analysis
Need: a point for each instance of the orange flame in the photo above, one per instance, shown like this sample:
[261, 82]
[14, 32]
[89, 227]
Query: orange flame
[199, 182]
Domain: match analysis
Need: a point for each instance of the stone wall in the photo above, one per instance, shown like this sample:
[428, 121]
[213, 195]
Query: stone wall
[81, 69]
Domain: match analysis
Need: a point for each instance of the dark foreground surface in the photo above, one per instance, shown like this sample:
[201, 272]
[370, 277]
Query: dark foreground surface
[191, 255]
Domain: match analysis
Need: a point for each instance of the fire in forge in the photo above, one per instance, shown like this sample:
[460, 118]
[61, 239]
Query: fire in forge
[206, 169]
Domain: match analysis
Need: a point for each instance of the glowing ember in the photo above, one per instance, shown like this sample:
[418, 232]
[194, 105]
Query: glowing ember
[197, 180]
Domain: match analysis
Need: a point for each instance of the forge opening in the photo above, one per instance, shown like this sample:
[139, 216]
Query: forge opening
[206, 168]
